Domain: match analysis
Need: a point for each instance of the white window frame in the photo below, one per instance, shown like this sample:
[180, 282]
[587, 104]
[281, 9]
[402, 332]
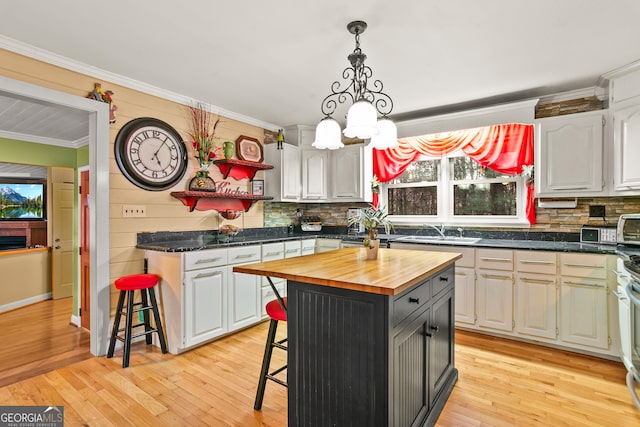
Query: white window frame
[445, 206]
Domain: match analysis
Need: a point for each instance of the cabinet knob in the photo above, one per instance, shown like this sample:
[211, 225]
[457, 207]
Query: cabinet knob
[444, 279]
[416, 300]
[435, 328]
[58, 246]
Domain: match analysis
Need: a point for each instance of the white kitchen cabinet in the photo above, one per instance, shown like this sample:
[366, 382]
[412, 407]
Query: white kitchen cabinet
[576, 140]
[494, 289]
[324, 245]
[536, 294]
[308, 246]
[292, 248]
[583, 300]
[465, 296]
[351, 173]
[283, 181]
[626, 148]
[272, 252]
[204, 306]
[244, 291]
[315, 168]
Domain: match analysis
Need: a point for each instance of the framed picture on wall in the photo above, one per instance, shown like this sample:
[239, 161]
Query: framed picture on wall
[257, 187]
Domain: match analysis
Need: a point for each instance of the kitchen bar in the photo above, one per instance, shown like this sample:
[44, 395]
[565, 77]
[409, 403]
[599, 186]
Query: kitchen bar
[370, 341]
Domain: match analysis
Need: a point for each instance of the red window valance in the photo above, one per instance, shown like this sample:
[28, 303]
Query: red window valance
[504, 148]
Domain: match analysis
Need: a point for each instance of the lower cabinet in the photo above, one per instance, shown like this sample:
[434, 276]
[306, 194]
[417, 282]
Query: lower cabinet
[495, 299]
[204, 309]
[557, 298]
[423, 351]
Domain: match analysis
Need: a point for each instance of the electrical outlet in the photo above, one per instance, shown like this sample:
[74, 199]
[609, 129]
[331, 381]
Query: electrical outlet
[134, 211]
[596, 211]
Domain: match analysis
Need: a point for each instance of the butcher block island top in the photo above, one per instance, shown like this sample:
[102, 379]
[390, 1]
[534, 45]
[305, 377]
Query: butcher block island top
[393, 272]
[370, 342]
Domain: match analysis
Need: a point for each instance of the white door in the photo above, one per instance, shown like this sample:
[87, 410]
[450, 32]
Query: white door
[626, 148]
[346, 172]
[244, 298]
[204, 304]
[495, 300]
[465, 295]
[314, 174]
[537, 298]
[62, 233]
[583, 307]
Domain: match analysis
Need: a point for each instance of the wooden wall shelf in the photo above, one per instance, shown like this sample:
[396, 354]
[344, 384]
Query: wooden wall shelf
[209, 200]
[239, 169]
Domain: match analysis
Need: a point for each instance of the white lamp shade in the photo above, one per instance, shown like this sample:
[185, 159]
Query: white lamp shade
[328, 135]
[361, 120]
[388, 136]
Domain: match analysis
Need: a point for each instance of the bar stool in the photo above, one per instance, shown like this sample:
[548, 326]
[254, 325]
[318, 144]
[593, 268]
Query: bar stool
[277, 311]
[127, 286]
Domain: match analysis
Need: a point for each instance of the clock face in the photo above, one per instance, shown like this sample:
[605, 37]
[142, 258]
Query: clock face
[150, 154]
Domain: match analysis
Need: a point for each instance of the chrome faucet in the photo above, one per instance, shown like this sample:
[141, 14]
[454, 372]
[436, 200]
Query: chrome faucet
[461, 231]
[439, 229]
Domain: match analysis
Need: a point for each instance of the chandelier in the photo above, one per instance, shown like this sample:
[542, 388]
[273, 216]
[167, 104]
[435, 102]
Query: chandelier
[367, 116]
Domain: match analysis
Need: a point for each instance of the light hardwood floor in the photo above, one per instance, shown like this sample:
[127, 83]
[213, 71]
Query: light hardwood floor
[502, 383]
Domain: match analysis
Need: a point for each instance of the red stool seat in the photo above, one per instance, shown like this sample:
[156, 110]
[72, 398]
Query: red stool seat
[275, 311]
[136, 282]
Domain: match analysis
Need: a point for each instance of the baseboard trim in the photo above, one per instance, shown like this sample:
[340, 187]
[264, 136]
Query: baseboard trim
[25, 302]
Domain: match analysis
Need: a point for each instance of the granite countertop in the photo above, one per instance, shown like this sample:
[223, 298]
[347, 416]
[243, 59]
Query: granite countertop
[193, 241]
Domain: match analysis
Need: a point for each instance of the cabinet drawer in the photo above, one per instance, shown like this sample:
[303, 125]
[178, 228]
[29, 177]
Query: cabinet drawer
[494, 259]
[583, 265]
[536, 262]
[292, 249]
[203, 259]
[407, 303]
[244, 254]
[272, 251]
[442, 281]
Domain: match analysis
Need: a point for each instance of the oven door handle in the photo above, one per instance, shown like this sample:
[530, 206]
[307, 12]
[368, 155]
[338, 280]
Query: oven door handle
[632, 378]
[634, 299]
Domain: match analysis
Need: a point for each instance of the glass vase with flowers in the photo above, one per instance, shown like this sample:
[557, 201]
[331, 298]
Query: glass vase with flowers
[203, 135]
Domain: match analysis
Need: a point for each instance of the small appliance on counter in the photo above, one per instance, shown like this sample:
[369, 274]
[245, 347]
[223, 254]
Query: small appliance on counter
[605, 235]
[356, 227]
[310, 223]
[629, 229]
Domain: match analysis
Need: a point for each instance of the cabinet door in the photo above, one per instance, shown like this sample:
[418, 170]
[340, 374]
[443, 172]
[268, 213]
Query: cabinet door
[441, 349]
[583, 307]
[536, 306]
[346, 167]
[410, 376]
[314, 174]
[290, 170]
[626, 148]
[245, 297]
[204, 305]
[495, 300]
[465, 299]
[575, 140]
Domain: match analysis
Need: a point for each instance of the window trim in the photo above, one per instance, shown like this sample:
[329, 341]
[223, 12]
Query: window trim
[445, 194]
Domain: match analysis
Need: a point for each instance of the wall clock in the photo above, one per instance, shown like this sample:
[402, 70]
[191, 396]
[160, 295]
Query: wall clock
[150, 154]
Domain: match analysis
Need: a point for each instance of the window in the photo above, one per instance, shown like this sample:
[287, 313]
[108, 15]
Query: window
[454, 189]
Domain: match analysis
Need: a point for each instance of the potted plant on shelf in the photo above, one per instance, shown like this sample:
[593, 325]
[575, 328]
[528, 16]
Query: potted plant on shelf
[372, 219]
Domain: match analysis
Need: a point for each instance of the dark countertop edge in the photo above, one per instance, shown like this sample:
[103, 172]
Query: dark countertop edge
[538, 245]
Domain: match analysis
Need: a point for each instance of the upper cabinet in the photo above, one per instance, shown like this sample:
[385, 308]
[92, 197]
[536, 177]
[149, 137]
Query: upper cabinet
[624, 103]
[303, 173]
[569, 155]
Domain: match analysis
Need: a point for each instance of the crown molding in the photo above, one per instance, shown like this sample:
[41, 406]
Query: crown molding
[44, 140]
[599, 92]
[39, 54]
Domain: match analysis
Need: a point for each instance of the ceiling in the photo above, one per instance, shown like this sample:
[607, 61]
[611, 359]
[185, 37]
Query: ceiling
[275, 61]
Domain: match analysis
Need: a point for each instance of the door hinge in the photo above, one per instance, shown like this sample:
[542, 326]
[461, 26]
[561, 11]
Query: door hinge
[609, 340]
[604, 121]
[79, 189]
[79, 312]
[557, 332]
[513, 324]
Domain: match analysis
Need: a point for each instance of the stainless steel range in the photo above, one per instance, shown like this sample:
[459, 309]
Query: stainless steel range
[628, 293]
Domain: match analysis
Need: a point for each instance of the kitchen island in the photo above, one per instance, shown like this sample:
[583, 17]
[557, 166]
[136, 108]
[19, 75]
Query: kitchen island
[371, 342]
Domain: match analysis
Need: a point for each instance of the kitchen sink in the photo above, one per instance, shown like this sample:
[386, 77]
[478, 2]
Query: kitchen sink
[437, 239]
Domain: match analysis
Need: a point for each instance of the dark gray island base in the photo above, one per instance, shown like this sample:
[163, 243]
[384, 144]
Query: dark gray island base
[368, 357]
